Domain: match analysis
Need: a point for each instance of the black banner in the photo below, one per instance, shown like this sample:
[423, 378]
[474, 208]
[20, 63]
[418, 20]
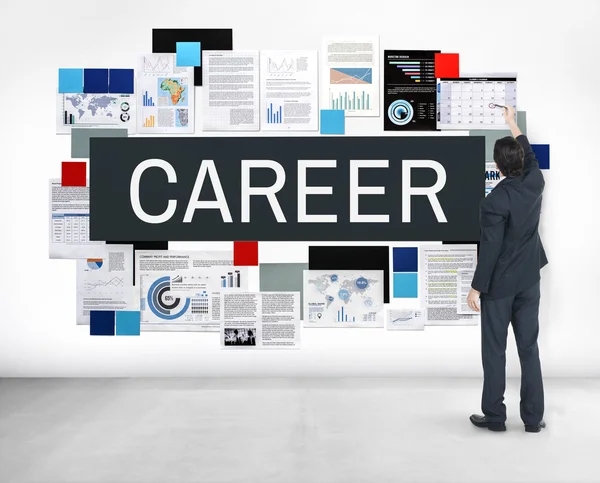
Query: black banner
[286, 188]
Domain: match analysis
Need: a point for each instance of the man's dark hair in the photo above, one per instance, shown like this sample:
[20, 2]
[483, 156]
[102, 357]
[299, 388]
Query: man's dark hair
[509, 155]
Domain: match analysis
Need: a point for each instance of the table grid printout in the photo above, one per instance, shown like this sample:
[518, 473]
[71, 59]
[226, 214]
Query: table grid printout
[470, 102]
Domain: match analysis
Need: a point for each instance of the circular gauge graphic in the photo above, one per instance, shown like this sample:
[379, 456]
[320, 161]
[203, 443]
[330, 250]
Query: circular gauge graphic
[125, 117]
[162, 303]
[400, 112]
[125, 106]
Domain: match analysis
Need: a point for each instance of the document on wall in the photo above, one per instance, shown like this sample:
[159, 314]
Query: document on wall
[492, 176]
[350, 75]
[165, 95]
[185, 300]
[260, 320]
[289, 90]
[439, 282]
[463, 287]
[230, 90]
[343, 298]
[406, 319]
[410, 95]
[171, 300]
[106, 282]
[70, 222]
[104, 111]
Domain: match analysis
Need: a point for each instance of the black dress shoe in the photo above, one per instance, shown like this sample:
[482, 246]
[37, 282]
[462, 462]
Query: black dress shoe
[482, 422]
[536, 428]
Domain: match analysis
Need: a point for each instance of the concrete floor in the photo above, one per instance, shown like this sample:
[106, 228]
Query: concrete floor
[287, 430]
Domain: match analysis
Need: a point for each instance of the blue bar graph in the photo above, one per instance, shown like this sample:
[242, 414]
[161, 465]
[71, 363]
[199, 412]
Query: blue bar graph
[148, 102]
[342, 317]
[274, 117]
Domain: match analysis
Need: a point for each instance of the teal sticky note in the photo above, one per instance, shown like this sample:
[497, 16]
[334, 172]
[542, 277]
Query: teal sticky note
[127, 322]
[70, 80]
[333, 121]
[188, 54]
[406, 285]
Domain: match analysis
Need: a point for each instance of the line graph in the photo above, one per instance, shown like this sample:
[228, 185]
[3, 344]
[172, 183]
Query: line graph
[113, 282]
[351, 76]
[160, 63]
[286, 66]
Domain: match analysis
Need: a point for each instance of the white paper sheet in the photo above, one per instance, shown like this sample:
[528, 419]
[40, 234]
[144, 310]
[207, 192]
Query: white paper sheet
[230, 90]
[406, 319]
[463, 287]
[165, 95]
[261, 320]
[343, 298]
[70, 222]
[350, 75]
[439, 265]
[106, 282]
[289, 90]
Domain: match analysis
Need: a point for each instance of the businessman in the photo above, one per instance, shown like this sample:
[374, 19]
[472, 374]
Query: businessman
[506, 284]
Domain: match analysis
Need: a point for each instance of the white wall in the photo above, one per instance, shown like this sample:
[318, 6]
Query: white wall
[554, 50]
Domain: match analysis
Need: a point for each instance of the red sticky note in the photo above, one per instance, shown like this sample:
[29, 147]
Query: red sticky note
[73, 173]
[245, 253]
[446, 65]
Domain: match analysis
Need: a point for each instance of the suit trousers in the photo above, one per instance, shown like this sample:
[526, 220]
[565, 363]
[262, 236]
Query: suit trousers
[522, 311]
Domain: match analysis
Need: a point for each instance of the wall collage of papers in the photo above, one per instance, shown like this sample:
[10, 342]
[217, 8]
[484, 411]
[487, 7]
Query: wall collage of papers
[126, 288]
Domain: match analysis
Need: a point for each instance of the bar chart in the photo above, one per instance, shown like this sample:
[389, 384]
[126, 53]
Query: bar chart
[274, 116]
[231, 280]
[150, 121]
[343, 317]
[353, 100]
[68, 118]
[148, 100]
[416, 70]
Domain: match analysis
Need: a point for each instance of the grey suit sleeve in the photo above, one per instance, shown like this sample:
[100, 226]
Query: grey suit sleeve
[493, 225]
[530, 159]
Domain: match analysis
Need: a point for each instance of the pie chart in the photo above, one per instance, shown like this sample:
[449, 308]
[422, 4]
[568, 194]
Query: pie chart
[94, 263]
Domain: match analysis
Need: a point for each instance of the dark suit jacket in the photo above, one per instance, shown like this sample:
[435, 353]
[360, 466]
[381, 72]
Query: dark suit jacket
[511, 252]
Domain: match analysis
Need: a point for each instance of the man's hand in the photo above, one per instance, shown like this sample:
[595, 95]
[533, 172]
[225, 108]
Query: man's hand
[473, 300]
[509, 115]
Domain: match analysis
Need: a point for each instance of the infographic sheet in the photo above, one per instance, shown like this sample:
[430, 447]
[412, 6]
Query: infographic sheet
[350, 75]
[165, 95]
[410, 90]
[105, 111]
[343, 298]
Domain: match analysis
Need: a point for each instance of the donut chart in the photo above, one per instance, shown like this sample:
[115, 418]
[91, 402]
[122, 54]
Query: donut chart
[163, 305]
[400, 112]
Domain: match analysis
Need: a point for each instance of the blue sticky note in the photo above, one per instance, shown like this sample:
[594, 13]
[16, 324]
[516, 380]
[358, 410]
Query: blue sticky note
[102, 322]
[70, 80]
[406, 259]
[333, 121]
[95, 81]
[120, 81]
[127, 322]
[406, 285]
[188, 54]
[542, 153]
